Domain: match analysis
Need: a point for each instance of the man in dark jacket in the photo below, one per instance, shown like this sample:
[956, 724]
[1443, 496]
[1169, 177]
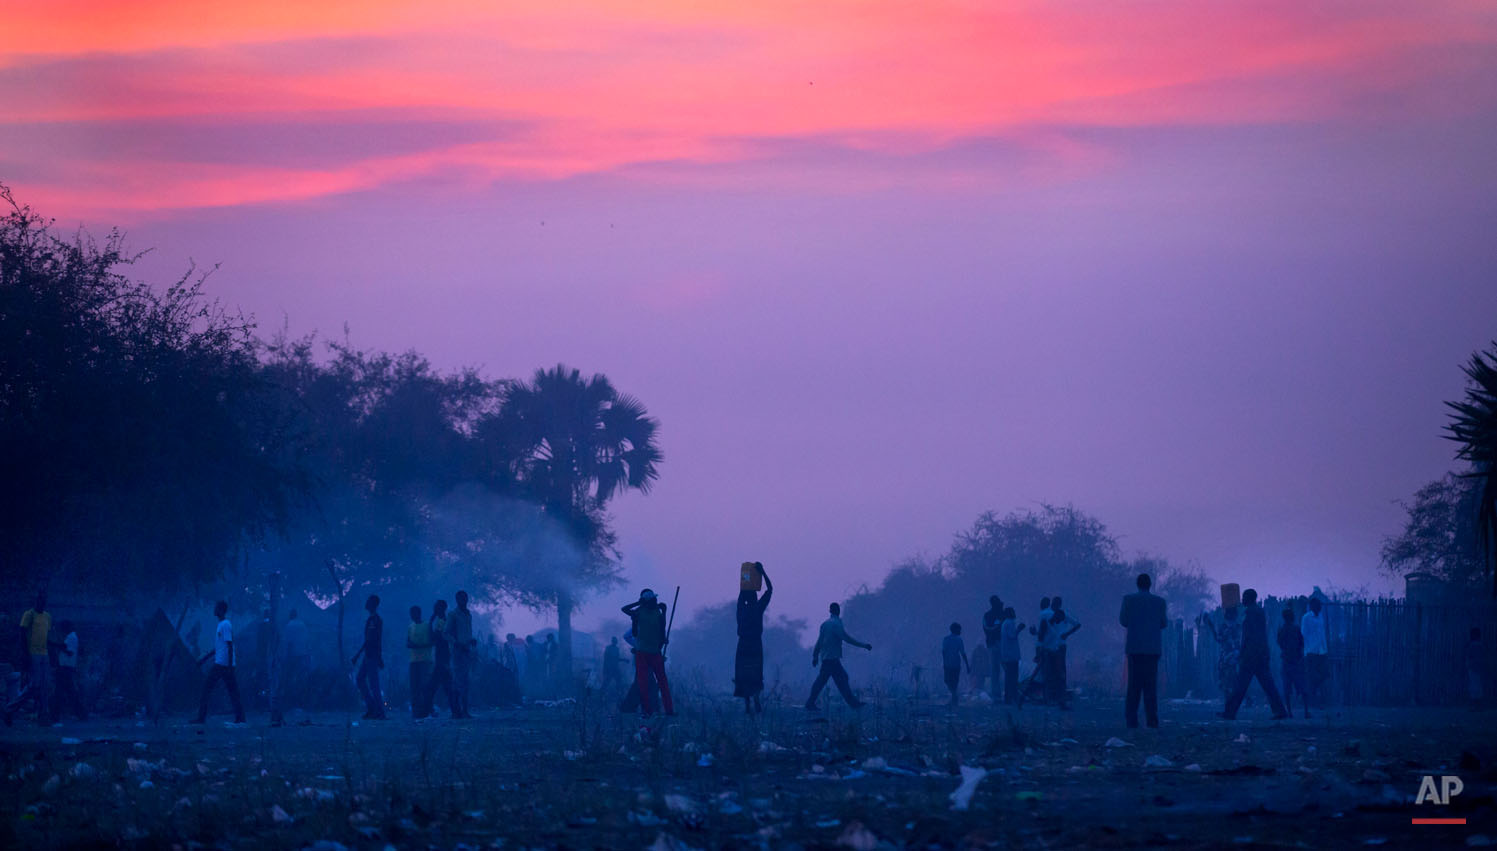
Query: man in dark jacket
[1254, 660]
[1143, 615]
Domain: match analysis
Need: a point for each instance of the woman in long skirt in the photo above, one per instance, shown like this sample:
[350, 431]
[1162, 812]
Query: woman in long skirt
[748, 663]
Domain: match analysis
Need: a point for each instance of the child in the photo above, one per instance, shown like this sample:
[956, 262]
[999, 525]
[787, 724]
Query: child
[953, 657]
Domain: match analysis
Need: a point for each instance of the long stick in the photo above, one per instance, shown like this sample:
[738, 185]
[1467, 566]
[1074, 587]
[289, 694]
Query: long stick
[673, 615]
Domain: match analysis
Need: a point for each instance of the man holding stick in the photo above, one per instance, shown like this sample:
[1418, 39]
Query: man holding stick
[651, 636]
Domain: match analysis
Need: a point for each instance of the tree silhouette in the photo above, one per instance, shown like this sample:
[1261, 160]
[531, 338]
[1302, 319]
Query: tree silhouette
[577, 442]
[1474, 426]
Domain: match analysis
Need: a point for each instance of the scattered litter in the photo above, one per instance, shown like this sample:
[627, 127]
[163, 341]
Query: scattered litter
[573, 755]
[680, 804]
[1115, 742]
[474, 815]
[278, 815]
[689, 747]
[826, 824]
[1194, 767]
[1157, 761]
[854, 775]
[858, 837]
[1028, 795]
[566, 701]
[875, 763]
[51, 785]
[705, 761]
[770, 747]
[69, 740]
[1242, 739]
[146, 784]
[666, 842]
[962, 797]
[1069, 742]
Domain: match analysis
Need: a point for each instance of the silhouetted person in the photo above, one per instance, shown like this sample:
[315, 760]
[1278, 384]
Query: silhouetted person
[1292, 661]
[992, 639]
[1317, 649]
[418, 642]
[373, 653]
[515, 648]
[224, 663]
[1068, 627]
[460, 634]
[1254, 661]
[828, 654]
[1041, 673]
[1009, 655]
[1051, 633]
[36, 631]
[1143, 615]
[441, 669]
[648, 617]
[953, 657]
[68, 695]
[1228, 637]
[613, 661]
[748, 660]
[296, 662]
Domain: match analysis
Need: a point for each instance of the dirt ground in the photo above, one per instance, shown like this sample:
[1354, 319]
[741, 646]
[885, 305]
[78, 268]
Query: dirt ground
[578, 775]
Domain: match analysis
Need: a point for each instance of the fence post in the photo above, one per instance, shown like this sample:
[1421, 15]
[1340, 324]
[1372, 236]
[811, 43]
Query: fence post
[1418, 647]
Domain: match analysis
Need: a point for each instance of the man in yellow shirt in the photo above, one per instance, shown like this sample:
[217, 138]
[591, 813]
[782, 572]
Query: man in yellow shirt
[418, 641]
[36, 626]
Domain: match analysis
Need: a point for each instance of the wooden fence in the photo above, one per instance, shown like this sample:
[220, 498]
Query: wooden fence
[1382, 653]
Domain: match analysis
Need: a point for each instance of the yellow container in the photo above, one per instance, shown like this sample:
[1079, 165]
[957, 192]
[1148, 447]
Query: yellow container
[1231, 595]
[749, 577]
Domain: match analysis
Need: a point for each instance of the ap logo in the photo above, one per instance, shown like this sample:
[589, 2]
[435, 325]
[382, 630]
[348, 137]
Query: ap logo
[1450, 786]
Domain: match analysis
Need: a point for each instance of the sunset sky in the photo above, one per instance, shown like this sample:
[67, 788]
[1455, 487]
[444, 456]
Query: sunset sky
[1205, 270]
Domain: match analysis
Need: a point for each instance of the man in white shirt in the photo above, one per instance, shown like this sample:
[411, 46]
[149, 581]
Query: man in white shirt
[1317, 648]
[1067, 627]
[223, 665]
[828, 654]
[67, 695]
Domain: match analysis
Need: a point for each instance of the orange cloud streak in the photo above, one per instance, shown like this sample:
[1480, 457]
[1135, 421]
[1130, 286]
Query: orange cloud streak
[608, 86]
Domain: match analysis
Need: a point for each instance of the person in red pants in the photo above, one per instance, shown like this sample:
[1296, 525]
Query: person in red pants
[648, 616]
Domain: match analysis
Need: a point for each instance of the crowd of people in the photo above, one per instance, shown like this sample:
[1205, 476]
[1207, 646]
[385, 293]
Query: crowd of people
[442, 647]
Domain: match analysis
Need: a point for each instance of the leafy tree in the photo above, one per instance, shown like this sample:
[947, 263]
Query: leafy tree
[576, 443]
[1474, 426]
[1439, 537]
[142, 448]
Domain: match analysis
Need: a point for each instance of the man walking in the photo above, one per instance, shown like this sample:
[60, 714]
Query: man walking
[953, 657]
[992, 639]
[1009, 655]
[1292, 661]
[460, 635]
[418, 642]
[648, 617]
[1068, 627]
[372, 651]
[1144, 616]
[1317, 648]
[224, 663]
[613, 658]
[1254, 661]
[828, 654]
[68, 695]
[36, 629]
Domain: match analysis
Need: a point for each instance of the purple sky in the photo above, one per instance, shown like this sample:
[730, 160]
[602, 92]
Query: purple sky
[1232, 346]
[1206, 271]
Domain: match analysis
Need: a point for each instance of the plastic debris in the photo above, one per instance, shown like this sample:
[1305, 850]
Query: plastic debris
[52, 785]
[278, 815]
[770, 747]
[705, 761]
[1115, 742]
[962, 797]
[680, 804]
[1242, 739]
[875, 763]
[69, 740]
[858, 837]
[1156, 761]
[1194, 767]
[828, 823]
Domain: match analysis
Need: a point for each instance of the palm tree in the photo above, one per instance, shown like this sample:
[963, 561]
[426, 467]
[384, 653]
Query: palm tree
[1474, 427]
[576, 443]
